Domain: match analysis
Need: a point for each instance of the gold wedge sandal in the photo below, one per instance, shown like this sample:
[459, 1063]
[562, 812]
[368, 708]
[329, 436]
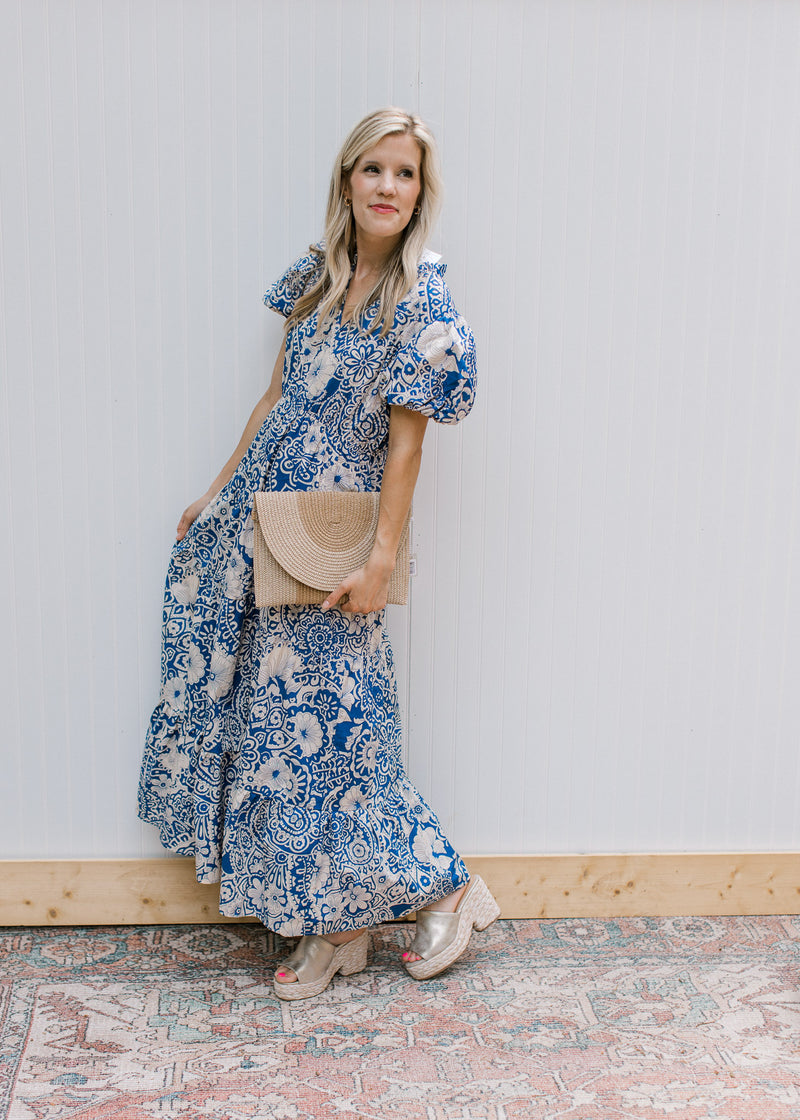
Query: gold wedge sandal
[316, 961]
[443, 936]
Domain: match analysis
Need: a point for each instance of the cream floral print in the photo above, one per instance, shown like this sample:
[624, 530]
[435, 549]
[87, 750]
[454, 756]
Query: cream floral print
[273, 756]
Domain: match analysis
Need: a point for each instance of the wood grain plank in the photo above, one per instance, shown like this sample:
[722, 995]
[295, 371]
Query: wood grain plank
[164, 891]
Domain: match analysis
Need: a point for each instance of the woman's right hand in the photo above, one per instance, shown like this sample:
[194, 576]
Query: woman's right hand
[189, 515]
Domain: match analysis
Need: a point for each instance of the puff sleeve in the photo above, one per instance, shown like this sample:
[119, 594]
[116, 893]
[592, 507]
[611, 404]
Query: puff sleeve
[433, 370]
[284, 293]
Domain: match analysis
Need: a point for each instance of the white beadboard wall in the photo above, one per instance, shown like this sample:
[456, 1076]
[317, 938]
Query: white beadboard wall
[603, 649]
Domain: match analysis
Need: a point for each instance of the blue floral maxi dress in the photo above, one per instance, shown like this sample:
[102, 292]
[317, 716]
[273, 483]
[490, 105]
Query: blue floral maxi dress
[274, 754]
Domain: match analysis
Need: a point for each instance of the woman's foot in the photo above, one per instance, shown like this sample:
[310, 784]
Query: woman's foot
[445, 905]
[443, 933]
[316, 960]
[286, 976]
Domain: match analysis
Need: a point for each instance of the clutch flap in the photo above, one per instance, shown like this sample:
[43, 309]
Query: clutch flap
[318, 536]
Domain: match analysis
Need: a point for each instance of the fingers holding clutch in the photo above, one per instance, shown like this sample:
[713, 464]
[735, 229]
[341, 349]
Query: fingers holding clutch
[340, 596]
[361, 592]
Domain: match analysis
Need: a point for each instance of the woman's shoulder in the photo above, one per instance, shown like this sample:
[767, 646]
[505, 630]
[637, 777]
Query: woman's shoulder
[311, 261]
[433, 367]
[299, 276]
[431, 270]
[430, 297]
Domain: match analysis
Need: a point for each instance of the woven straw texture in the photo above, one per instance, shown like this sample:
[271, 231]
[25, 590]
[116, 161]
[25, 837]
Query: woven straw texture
[307, 541]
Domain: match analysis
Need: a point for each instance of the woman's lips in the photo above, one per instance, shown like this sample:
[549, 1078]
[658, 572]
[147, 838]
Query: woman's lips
[382, 209]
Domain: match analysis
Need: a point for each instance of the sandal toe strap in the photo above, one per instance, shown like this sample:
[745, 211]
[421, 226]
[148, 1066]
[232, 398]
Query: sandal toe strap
[311, 958]
[435, 930]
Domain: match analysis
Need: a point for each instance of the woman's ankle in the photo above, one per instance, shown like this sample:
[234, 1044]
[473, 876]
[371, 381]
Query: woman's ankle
[343, 936]
[448, 904]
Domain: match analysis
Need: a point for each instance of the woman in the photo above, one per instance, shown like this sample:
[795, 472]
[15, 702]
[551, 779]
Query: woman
[273, 756]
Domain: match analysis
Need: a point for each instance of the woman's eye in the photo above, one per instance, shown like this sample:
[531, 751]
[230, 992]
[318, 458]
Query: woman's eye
[370, 167]
[408, 174]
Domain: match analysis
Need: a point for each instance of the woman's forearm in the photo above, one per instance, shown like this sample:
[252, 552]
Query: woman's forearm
[366, 589]
[257, 418]
[406, 433]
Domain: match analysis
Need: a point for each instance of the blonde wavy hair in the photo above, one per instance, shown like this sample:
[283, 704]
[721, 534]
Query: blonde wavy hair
[400, 272]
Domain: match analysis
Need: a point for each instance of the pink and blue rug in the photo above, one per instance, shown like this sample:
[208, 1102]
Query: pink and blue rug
[675, 1019]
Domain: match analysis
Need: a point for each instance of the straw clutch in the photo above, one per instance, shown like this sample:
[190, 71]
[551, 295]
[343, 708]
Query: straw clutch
[307, 541]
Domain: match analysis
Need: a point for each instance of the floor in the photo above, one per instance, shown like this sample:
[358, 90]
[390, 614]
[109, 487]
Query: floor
[672, 1018]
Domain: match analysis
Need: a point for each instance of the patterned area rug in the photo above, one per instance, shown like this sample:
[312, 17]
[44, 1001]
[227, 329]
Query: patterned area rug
[680, 1018]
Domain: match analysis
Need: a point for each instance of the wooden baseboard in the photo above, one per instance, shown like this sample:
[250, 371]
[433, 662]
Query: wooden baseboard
[162, 891]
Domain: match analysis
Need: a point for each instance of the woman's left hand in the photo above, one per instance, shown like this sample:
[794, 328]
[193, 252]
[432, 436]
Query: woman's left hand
[362, 591]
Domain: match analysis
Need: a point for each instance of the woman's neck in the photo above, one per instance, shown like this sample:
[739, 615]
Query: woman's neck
[372, 255]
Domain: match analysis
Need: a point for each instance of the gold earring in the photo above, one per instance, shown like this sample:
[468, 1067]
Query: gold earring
[417, 209]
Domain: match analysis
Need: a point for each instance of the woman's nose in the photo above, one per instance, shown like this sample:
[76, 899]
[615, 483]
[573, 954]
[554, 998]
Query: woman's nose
[386, 183]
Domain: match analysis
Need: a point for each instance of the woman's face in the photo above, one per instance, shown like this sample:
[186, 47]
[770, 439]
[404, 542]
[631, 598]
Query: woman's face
[384, 187]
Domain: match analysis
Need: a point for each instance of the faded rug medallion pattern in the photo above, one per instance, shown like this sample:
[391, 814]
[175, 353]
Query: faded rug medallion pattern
[681, 1018]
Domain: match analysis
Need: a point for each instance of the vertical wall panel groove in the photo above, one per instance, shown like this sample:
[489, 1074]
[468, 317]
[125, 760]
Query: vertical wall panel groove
[602, 639]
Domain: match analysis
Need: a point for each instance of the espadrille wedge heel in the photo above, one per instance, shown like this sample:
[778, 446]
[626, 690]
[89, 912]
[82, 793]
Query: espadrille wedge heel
[316, 961]
[442, 937]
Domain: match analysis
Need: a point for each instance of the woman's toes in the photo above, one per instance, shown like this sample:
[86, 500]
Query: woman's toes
[285, 976]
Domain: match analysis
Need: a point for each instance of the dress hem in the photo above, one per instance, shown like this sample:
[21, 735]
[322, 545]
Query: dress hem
[319, 929]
